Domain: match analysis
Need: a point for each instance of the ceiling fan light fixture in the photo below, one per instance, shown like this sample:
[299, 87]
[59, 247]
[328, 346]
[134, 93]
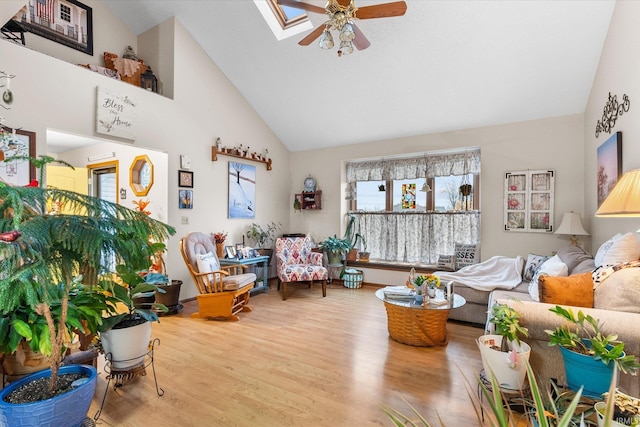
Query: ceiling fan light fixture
[346, 33]
[346, 48]
[326, 40]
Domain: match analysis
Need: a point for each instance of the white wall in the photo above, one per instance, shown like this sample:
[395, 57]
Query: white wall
[555, 143]
[53, 94]
[618, 73]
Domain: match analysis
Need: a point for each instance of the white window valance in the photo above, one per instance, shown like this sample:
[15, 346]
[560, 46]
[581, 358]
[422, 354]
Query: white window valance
[425, 166]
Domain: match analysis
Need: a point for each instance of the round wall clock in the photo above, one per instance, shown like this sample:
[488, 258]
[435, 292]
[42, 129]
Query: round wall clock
[309, 184]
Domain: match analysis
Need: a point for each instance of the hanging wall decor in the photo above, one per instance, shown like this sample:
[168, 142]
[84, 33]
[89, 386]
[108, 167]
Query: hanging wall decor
[242, 190]
[116, 114]
[612, 109]
[528, 201]
[609, 164]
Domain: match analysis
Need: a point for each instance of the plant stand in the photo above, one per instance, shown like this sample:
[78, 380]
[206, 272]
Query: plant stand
[121, 376]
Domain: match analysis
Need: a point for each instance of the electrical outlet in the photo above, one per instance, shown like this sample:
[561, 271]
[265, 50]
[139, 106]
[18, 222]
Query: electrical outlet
[185, 220]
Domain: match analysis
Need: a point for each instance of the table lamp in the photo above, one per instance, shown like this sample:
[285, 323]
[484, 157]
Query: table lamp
[571, 225]
[624, 199]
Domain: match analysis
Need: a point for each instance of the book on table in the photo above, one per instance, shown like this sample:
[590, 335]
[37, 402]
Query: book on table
[398, 292]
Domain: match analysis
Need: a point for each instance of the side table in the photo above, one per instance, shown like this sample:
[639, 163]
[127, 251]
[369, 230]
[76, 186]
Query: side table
[334, 271]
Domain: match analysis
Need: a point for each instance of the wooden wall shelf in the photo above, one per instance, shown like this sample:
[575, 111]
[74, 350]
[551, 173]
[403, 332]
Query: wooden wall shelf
[249, 156]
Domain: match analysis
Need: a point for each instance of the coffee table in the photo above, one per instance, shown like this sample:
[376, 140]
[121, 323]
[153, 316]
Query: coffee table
[418, 325]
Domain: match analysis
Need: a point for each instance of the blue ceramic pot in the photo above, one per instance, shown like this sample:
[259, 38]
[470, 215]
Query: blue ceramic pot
[67, 410]
[585, 370]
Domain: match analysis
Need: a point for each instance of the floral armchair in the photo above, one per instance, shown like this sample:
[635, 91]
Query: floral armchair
[296, 262]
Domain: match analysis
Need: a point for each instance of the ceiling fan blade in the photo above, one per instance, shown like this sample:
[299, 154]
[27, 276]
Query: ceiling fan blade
[304, 6]
[360, 42]
[397, 8]
[312, 36]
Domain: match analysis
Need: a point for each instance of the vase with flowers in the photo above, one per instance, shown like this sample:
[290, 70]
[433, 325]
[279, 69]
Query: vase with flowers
[423, 284]
[219, 237]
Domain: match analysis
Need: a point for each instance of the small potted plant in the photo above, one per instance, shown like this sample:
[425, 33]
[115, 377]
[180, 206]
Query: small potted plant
[335, 248]
[589, 355]
[219, 238]
[503, 353]
[431, 281]
[264, 237]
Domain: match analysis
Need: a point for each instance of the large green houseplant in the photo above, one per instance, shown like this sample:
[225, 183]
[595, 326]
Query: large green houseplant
[42, 256]
[335, 247]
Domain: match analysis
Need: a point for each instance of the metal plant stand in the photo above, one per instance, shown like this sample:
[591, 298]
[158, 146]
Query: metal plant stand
[121, 376]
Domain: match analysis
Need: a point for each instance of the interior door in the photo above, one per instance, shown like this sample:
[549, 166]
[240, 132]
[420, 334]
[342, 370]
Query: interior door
[65, 178]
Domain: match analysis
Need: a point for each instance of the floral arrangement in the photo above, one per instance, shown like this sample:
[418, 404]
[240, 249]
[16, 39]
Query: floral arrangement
[220, 236]
[141, 206]
[431, 280]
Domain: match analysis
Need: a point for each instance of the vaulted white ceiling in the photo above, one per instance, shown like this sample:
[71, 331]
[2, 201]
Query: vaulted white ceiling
[444, 65]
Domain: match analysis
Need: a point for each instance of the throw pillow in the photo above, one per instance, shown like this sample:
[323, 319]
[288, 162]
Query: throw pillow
[466, 254]
[533, 262]
[551, 267]
[575, 290]
[207, 263]
[572, 256]
[618, 249]
[447, 261]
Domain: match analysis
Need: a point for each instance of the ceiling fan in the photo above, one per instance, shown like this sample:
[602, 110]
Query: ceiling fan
[342, 14]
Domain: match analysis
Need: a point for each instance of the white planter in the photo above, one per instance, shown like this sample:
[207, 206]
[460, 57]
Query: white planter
[600, 408]
[509, 375]
[127, 346]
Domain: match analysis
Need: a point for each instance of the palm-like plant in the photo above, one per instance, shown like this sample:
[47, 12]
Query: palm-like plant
[42, 256]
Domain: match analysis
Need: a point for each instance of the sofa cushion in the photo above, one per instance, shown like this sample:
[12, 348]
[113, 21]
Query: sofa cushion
[572, 256]
[617, 250]
[533, 262]
[620, 291]
[551, 267]
[575, 290]
[466, 254]
[586, 266]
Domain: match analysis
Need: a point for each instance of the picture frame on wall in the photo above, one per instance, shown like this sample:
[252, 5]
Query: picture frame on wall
[185, 179]
[242, 190]
[609, 166]
[185, 199]
[17, 143]
[69, 23]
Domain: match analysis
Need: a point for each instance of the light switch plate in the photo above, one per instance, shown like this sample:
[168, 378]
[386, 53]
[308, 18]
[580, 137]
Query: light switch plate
[185, 162]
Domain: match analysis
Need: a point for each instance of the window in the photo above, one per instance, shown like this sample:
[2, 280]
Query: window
[418, 203]
[283, 21]
[65, 13]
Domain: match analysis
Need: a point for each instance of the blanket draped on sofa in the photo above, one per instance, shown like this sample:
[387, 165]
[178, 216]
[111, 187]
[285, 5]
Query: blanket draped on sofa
[498, 272]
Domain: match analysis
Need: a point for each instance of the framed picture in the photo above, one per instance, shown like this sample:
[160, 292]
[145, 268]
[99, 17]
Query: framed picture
[185, 199]
[67, 22]
[609, 165]
[185, 179]
[20, 144]
[242, 190]
[229, 252]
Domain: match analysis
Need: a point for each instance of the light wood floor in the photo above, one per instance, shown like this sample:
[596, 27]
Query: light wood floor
[306, 361]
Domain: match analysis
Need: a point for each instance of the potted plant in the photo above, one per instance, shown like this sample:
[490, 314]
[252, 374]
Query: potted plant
[335, 248]
[219, 238]
[264, 237]
[125, 336]
[42, 257]
[589, 356]
[626, 410]
[503, 354]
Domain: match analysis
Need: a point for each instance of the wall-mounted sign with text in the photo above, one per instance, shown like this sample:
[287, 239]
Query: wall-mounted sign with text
[115, 114]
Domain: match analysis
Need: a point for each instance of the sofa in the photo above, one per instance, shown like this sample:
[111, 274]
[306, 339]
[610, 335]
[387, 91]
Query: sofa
[615, 301]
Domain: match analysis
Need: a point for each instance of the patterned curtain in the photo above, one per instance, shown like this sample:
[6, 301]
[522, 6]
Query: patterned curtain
[417, 237]
[428, 165]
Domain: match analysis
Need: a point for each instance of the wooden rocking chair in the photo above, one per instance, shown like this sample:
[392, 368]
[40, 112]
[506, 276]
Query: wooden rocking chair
[224, 291]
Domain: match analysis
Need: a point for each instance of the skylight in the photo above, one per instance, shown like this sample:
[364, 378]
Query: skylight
[284, 21]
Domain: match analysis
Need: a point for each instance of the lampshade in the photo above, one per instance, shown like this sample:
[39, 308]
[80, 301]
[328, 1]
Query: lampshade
[326, 40]
[624, 199]
[346, 33]
[346, 48]
[571, 225]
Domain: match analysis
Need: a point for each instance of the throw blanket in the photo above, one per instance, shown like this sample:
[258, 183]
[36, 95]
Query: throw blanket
[498, 272]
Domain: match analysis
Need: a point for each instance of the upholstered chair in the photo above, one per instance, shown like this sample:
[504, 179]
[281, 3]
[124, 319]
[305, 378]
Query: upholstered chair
[296, 262]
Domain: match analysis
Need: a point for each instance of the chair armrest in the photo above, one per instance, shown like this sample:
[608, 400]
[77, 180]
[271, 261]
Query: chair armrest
[315, 258]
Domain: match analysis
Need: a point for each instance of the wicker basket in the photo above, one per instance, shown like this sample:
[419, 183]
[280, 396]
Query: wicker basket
[418, 327]
[352, 278]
